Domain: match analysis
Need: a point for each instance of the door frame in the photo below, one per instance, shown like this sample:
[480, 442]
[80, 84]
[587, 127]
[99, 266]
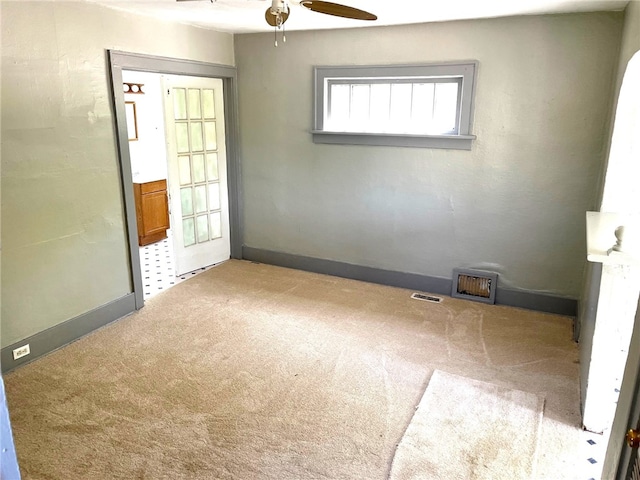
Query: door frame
[118, 61]
[618, 455]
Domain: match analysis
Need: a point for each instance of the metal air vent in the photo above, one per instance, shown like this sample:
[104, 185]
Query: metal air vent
[426, 298]
[474, 285]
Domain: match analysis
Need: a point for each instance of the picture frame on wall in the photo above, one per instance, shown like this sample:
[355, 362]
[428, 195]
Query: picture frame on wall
[132, 121]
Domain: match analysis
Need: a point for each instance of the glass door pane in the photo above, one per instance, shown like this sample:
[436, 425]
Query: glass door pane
[200, 188]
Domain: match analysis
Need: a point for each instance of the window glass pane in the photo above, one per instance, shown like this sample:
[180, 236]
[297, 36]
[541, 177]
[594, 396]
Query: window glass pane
[198, 168]
[179, 104]
[208, 104]
[182, 137]
[339, 107]
[359, 117]
[380, 98]
[188, 231]
[201, 198]
[196, 137]
[186, 201]
[216, 225]
[422, 108]
[184, 169]
[212, 166]
[194, 103]
[203, 228]
[445, 108]
[418, 104]
[210, 135]
[400, 111]
[214, 196]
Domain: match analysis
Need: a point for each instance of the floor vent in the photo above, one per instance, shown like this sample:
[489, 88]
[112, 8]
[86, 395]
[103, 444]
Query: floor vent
[475, 285]
[426, 298]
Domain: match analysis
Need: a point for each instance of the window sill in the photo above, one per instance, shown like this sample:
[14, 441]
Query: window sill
[453, 142]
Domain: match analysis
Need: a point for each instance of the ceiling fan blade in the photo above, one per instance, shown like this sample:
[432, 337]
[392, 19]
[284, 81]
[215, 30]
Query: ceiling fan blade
[272, 18]
[337, 10]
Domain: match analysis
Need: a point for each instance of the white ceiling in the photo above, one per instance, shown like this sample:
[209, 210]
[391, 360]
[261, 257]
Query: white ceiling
[242, 16]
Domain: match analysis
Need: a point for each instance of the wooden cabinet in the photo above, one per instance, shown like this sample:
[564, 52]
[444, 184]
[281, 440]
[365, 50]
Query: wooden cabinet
[152, 211]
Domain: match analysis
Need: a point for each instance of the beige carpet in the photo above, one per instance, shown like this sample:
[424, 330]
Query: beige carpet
[251, 371]
[464, 429]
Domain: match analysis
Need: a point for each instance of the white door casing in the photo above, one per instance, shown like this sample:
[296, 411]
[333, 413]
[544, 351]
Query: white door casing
[621, 193]
[196, 152]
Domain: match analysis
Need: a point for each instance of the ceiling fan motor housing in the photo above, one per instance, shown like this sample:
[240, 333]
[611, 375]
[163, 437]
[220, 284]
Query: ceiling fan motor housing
[278, 13]
[279, 7]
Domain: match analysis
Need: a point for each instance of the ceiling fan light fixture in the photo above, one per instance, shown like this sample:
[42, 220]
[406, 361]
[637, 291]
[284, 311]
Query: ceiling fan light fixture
[277, 13]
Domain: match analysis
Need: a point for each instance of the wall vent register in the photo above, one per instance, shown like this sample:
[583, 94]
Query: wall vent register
[475, 285]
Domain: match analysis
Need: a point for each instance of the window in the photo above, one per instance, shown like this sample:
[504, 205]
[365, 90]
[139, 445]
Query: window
[416, 106]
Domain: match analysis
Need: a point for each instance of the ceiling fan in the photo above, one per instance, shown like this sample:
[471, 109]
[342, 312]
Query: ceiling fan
[278, 13]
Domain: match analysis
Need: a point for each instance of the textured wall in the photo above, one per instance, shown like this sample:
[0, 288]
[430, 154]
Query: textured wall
[630, 38]
[514, 204]
[64, 250]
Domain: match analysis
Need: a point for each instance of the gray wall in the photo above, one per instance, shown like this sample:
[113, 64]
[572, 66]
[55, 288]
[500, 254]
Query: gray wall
[630, 39]
[64, 249]
[587, 308]
[514, 204]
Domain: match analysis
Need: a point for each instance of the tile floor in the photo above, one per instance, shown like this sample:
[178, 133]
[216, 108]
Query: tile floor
[158, 275]
[594, 447]
[157, 264]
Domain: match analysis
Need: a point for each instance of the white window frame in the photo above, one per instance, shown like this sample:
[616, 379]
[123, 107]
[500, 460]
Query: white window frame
[461, 138]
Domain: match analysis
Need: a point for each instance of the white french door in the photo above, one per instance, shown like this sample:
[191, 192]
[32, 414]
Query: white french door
[199, 201]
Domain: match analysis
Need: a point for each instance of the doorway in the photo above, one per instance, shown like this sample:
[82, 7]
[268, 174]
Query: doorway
[122, 61]
[177, 148]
